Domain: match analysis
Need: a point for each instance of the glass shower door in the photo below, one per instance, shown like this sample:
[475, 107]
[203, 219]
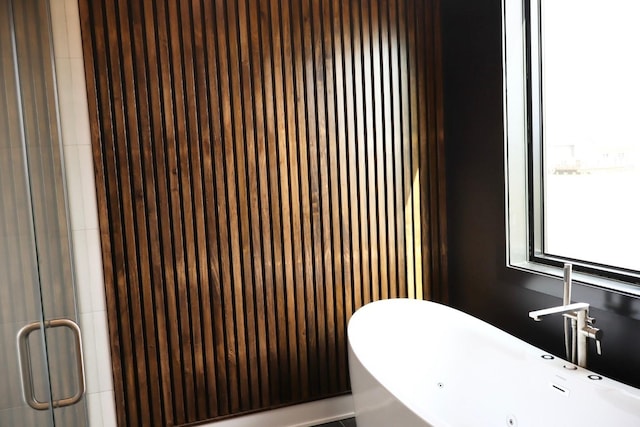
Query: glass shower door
[41, 372]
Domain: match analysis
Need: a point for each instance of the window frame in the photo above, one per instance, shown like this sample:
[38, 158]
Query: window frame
[523, 159]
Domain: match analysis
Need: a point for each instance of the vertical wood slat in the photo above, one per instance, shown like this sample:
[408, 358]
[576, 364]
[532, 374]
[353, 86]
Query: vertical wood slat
[435, 285]
[263, 169]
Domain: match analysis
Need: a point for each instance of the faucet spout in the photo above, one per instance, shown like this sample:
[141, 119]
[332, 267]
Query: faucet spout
[576, 318]
[581, 324]
[561, 309]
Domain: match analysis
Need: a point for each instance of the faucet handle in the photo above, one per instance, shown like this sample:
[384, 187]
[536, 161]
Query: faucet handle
[595, 334]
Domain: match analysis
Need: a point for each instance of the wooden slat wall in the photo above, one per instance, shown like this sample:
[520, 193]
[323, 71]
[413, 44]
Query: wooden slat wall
[259, 169]
[433, 221]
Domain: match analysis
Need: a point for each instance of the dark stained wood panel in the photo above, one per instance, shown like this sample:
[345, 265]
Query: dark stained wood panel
[263, 169]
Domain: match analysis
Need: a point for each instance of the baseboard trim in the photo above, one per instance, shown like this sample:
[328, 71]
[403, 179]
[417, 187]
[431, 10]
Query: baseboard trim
[302, 415]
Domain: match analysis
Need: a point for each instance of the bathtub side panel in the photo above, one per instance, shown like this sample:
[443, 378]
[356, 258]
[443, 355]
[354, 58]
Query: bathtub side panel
[374, 405]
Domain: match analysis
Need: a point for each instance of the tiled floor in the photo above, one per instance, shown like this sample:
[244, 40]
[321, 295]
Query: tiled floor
[348, 422]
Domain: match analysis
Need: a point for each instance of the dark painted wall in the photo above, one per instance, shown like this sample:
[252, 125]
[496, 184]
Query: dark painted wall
[480, 283]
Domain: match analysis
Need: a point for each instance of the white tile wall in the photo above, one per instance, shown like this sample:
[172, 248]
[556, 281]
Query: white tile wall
[74, 121]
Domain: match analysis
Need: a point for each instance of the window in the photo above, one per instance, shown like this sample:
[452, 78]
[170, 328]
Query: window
[572, 103]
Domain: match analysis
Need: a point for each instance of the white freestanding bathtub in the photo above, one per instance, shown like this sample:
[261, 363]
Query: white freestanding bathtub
[418, 363]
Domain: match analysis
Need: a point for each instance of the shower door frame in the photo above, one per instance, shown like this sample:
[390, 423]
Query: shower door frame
[47, 332]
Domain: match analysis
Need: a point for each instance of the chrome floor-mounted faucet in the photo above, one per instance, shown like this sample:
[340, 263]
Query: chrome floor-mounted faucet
[576, 318]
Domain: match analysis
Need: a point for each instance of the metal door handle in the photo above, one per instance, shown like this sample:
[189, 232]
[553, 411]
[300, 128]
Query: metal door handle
[24, 362]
